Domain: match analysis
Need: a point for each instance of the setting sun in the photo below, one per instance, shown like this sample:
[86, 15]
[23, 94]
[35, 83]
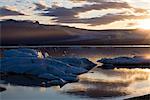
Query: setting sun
[144, 24]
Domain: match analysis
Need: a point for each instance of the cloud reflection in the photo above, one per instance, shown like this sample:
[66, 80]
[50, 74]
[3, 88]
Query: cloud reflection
[108, 83]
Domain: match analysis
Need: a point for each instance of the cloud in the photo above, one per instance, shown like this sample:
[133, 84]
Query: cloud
[60, 12]
[66, 12]
[5, 11]
[39, 6]
[42, 2]
[106, 11]
[99, 6]
[68, 15]
[140, 10]
[76, 1]
[106, 19]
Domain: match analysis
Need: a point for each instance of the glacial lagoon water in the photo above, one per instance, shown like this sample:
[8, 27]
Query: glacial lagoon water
[98, 84]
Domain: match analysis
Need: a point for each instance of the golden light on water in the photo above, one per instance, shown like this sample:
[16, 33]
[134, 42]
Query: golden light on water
[144, 24]
[42, 89]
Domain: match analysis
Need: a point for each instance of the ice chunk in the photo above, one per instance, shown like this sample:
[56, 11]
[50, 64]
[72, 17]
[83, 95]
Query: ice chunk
[48, 76]
[125, 62]
[16, 53]
[29, 51]
[78, 62]
[65, 67]
[26, 62]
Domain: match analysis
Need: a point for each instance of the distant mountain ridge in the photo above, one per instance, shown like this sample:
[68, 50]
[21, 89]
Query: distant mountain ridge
[32, 33]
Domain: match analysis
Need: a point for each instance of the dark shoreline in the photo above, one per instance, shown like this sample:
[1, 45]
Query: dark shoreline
[144, 97]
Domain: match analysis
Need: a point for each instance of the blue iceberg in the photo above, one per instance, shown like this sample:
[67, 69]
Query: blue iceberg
[60, 71]
[79, 62]
[125, 62]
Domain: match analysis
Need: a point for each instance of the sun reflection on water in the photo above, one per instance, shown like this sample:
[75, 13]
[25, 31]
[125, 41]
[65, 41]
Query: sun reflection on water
[106, 83]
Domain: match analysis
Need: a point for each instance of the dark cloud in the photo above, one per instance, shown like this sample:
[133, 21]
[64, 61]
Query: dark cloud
[60, 12]
[68, 15]
[65, 16]
[77, 1]
[102, 5]
[75, 10]
[7, 12]
[109, 18]
[39, 6]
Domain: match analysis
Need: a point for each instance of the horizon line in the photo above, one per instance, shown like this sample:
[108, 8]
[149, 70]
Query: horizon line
[61, 46]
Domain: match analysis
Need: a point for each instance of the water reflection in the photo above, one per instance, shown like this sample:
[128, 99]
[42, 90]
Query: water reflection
[97, 83]
[24, 80]
[110, 83]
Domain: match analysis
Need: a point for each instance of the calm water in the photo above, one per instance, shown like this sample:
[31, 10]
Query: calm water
[97, 84]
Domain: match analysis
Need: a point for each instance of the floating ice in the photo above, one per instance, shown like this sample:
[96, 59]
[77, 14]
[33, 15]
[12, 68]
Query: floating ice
[59, 70]
[125, 62]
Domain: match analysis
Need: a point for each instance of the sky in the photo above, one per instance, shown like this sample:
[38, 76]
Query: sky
[87, 14]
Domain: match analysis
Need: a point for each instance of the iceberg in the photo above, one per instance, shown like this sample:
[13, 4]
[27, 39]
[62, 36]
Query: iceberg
[70, 69]
[17, 53]
[125, 62]
[29, 51]
[37, 67]
[24, 61]
[79, 62]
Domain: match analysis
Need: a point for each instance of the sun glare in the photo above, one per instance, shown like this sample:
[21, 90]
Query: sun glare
[147, 56]
[144, 24]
